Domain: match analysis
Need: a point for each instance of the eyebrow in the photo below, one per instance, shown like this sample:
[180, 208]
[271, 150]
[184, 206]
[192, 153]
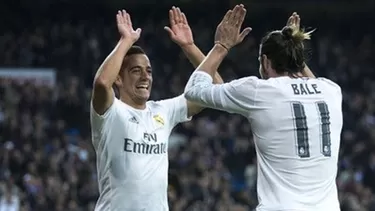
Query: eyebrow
[138, 66]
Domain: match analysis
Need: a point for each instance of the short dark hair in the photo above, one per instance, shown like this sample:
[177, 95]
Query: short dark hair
[135, 49]
[285, 49]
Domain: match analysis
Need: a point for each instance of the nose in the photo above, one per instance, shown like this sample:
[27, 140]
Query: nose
[145, 74]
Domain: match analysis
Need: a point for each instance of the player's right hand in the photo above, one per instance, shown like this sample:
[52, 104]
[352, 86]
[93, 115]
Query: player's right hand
[179, 30]
[228, 31]
[125, 27]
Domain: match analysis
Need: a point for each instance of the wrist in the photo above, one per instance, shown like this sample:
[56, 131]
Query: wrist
[124, 44]
[127, 41]
[188, 47]
[221, 45]
[220, 48]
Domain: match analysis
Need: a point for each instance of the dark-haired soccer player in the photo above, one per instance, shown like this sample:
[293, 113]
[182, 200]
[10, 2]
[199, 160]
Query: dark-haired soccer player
[130, 134]
[296, 118]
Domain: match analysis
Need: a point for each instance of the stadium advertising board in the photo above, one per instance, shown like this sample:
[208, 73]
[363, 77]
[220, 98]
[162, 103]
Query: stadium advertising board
[38, 76]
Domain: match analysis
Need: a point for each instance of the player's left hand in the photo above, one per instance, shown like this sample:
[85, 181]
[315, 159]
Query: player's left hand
[228, 31]
[179, 29]
[294, 21]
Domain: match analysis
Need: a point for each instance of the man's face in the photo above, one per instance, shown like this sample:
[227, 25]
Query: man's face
[136, 78]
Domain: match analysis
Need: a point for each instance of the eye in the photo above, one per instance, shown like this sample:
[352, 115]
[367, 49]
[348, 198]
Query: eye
[136, 70]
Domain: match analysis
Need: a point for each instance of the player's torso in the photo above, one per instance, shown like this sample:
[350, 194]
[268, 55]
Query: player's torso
[140, 150]
[297, 135]
[136, 163]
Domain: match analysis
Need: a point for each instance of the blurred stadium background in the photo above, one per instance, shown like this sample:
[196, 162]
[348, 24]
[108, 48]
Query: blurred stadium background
[50, 50]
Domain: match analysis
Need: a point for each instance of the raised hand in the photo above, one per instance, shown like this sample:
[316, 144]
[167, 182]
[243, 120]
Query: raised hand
[228, 31]
[294, 21]
[179, 29]
[125, 26]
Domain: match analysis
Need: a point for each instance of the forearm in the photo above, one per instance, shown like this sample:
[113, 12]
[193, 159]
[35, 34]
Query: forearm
[194, 54]
[213, 60]
[196, 57]
[217, 79]
[110, 68]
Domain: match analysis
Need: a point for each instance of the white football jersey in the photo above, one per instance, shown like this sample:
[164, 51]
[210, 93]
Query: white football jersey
[296, 124]
[132, 154]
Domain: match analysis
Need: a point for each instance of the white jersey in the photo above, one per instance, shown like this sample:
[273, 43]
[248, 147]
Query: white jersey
[132, 154]
[296, 124]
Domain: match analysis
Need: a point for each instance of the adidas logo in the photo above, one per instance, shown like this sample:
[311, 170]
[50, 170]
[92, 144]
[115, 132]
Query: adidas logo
[134, 120]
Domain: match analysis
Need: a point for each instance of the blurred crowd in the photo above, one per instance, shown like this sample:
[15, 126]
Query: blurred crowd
[47, 162]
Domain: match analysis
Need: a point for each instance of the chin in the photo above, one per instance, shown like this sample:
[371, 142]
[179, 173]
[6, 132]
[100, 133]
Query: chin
[143, 97]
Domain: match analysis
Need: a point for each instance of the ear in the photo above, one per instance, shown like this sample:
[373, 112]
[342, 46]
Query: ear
[118, 81]
[267, 65]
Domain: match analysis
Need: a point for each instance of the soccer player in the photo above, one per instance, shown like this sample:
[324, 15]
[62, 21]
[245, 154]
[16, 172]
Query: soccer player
[130, 134]
[296, 120]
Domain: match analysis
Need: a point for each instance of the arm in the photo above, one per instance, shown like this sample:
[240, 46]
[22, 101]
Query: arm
[180, 32]
[307, 72]
[226, 36]
[295, 21]
[228, 96]
[238, 96]
[213, 60]
[103, 96]
[200, 89]
[196, 57]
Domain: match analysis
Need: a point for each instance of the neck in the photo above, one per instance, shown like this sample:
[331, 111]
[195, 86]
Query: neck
[295, 75]
[133, 103]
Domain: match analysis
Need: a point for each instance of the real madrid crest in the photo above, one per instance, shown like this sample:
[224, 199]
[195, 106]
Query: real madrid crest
[158, 119]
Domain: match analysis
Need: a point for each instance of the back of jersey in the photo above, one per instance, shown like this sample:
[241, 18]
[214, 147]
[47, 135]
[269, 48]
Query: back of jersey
[297, 127]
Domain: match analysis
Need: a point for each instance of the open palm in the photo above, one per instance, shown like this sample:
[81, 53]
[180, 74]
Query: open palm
[228, 32]
[125, 26]
[179, 29]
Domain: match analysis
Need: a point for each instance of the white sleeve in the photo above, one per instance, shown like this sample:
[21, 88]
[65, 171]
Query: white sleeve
[238, 96]
[100, 123]
[177, 109]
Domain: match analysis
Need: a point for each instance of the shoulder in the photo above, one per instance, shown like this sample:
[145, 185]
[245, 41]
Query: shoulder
[250, 80]
[271, 83]
[276, 81]
[330, 83]
[331, 88]
[166, 103]
[265, 85]
[272, 89]
[175, 106]
[174, 109]
[245, 84]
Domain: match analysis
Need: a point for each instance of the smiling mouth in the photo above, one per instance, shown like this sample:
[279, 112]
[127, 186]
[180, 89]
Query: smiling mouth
[143, 87]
